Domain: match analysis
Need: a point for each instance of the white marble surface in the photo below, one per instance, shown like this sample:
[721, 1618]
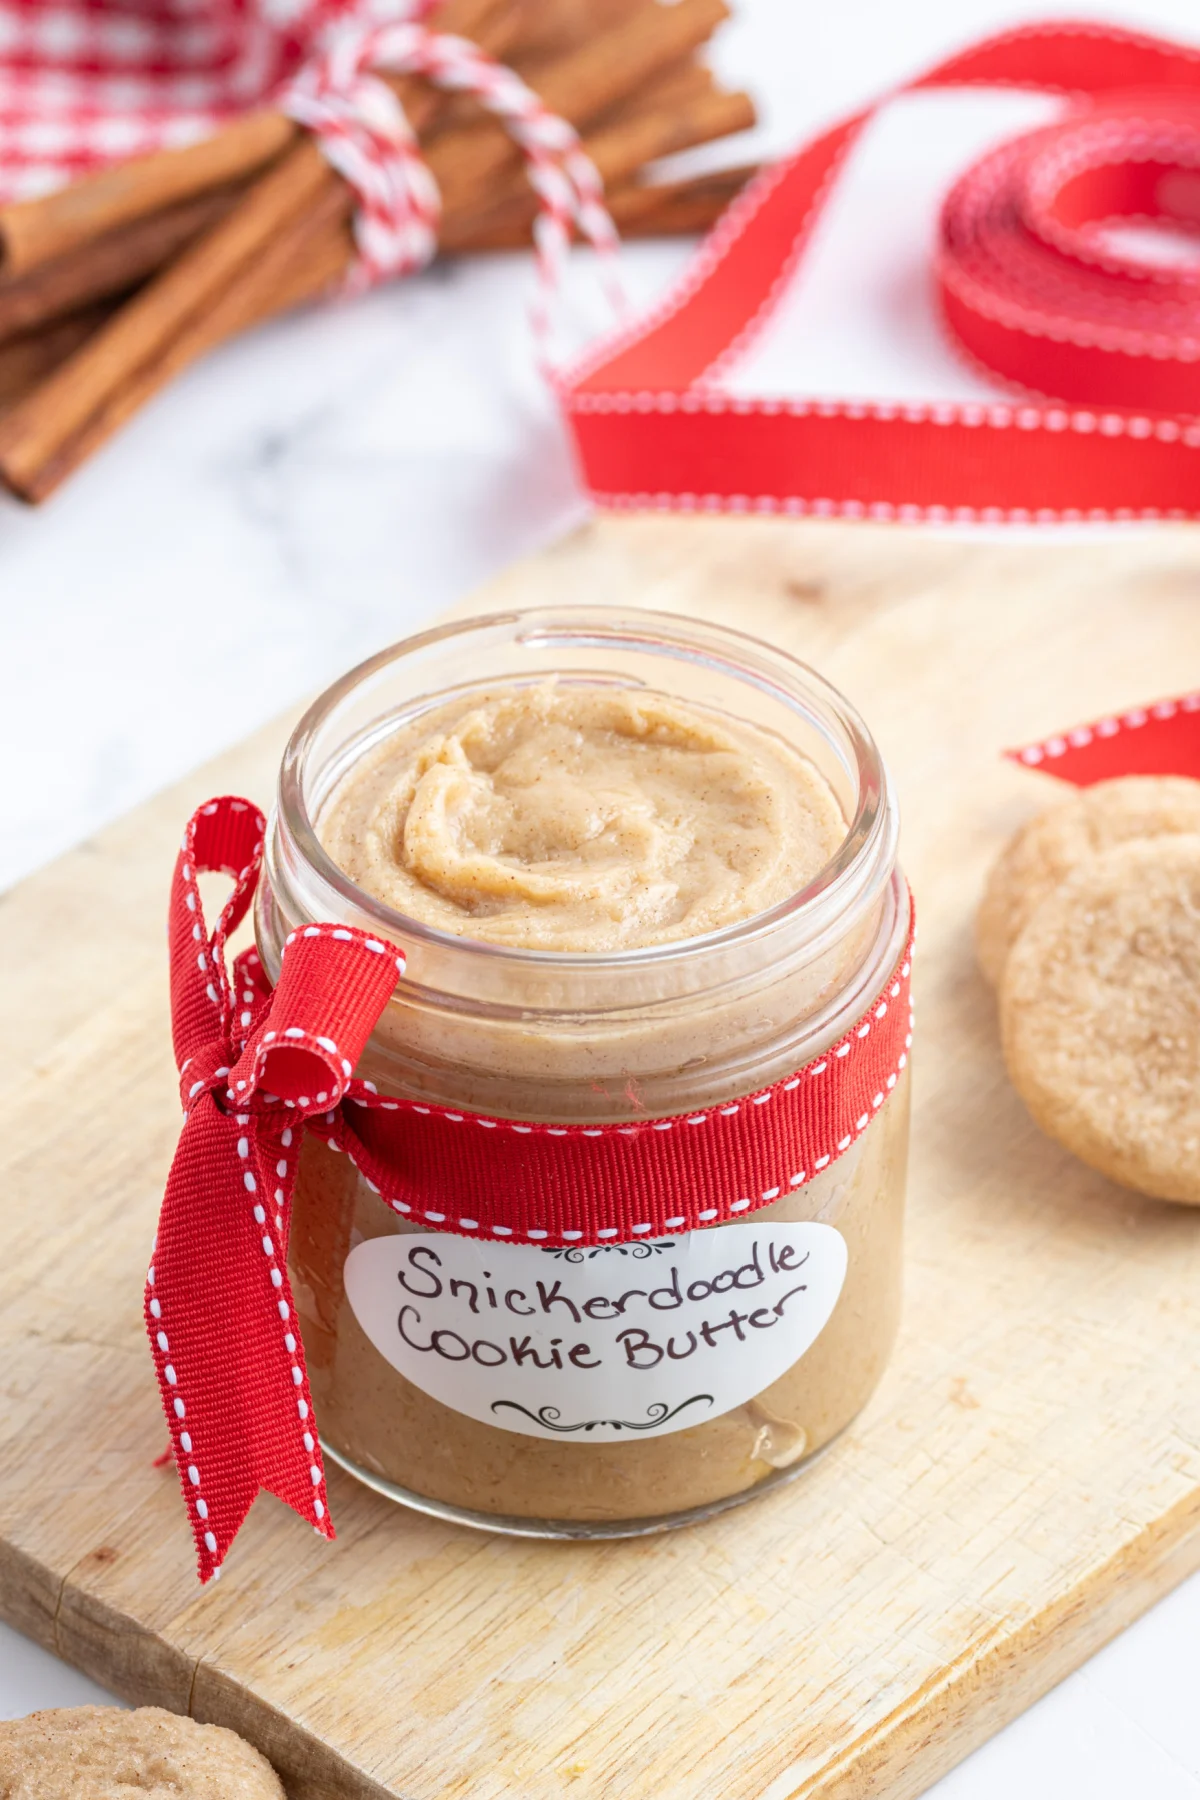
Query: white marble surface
[323, 487]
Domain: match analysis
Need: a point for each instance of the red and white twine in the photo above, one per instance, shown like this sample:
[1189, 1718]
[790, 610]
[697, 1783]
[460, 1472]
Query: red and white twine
[362, 130]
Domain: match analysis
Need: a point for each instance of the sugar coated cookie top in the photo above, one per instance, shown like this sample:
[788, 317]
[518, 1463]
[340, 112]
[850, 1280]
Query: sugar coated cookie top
[104, 1753]
[1100, 1015]
[1046, 850]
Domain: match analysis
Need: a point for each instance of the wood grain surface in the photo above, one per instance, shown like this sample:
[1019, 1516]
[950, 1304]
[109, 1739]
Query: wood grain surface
[1026, 1481]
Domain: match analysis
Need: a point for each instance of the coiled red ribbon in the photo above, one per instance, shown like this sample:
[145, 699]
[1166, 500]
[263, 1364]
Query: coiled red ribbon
[259, 1066]
[1028, 287]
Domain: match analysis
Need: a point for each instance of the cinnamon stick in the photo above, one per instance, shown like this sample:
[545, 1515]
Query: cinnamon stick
[661, 209]
[111, 264]
[531, 35]
[557, 26]
[286, 268]
[580, 86]
[674, 208]
[618, 150]
[34, 231]
[495, 25]
[509, 31]
[676, 123]
[584, 82]
[478, 19]
[34, 435]
[25, 361]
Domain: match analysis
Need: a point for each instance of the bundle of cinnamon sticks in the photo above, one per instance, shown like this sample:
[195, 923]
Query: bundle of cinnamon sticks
[111, 286]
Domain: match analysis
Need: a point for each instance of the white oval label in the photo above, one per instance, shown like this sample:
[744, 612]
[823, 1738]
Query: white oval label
[602, 1344]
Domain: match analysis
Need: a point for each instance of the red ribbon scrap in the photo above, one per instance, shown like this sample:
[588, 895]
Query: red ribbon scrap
[259, 1067]
[1028, 287]
[1160, 739]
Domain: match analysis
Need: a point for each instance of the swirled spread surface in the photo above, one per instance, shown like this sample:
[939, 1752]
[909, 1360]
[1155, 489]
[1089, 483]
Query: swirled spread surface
[580, 817]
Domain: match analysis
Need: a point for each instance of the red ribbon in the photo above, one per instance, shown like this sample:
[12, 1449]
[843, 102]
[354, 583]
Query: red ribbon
[1027, 288]
[219, 1305]
[258, 1067]
[1159, 739]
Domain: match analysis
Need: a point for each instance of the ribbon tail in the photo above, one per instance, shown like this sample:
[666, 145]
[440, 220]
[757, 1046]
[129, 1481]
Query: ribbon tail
[223, 1331]
[1158, 739]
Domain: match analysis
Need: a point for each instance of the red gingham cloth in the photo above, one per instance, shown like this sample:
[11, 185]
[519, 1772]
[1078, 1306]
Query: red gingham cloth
[89, 82]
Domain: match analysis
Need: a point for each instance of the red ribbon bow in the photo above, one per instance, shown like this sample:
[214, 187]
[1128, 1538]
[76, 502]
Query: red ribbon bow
[253, 1066]
[1027, 285]
[258, 1068]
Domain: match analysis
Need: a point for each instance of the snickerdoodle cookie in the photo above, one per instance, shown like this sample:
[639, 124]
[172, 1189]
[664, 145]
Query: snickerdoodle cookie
[1100, 1015]
[1045, 851]
[102, 1753]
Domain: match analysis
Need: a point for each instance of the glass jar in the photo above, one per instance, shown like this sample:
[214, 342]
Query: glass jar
[600, 1038]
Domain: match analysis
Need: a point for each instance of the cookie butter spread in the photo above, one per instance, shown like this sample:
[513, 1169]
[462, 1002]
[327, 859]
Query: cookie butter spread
[581, 818]
[588, 817]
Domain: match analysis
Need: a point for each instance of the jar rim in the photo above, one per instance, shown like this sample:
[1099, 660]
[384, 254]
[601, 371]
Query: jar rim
[867, 848]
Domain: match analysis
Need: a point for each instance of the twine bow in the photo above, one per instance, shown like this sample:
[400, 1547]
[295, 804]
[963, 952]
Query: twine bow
[362, 130]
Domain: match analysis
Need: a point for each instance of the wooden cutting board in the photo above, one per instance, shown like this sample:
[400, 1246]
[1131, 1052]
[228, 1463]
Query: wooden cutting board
[1024, 1484]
